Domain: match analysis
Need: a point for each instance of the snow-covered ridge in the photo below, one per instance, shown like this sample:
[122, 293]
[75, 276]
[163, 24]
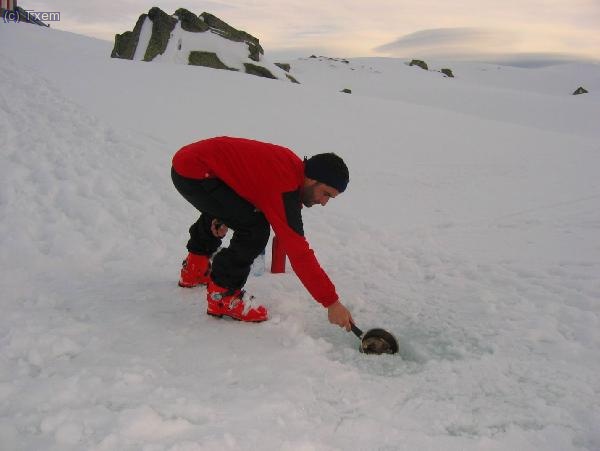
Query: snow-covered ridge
[203, 40]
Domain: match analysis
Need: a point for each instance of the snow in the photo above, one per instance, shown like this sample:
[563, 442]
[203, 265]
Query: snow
[144, 40]
[533, 97]
[469, 229]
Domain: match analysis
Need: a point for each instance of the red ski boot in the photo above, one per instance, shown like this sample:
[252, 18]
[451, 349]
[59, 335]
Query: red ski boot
[225, 302]
[195, 271]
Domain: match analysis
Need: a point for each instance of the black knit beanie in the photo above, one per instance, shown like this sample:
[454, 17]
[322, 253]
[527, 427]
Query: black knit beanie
[327, 168]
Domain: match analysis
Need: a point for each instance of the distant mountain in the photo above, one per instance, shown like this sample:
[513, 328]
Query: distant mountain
[204, 40]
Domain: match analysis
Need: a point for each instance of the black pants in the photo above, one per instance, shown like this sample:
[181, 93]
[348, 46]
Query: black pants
[215, 200]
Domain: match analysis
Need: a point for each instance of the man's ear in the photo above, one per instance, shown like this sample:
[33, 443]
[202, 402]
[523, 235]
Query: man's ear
[308, 181]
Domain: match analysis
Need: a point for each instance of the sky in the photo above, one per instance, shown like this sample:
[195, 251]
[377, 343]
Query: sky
[461, 29]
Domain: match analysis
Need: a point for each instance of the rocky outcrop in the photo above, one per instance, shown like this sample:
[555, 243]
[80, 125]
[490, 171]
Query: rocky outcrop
[420, 63]
[164, 27]
[292, 79]
[190, 22]
[228, 32]
[447, 72]
[260, 71]
[340, 60]
[580, 90]
[126, 43]
[285, 66]
[207, 59]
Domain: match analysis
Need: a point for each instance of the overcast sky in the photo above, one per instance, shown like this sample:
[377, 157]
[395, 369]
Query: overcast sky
[348, 28]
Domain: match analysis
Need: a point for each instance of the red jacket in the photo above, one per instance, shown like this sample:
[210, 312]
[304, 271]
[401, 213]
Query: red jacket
[269, 177]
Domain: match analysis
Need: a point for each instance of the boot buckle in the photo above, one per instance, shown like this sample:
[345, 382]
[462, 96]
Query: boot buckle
[234, 303]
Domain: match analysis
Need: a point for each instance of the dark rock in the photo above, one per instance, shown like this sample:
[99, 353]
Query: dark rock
[260, 71]
[420, 63]
[292, 79]
[447, 73]
[162, 26]
[286, 67]
[126, 43]
[580, 90]
[191, 22]
[346, 91]
[207, 59]
[313, 56]
[228, 32]
[255, 51]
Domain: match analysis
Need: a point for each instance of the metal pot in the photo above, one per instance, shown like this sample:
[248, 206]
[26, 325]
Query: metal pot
[376, 341]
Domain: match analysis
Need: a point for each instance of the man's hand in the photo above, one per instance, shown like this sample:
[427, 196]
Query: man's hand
[218, 229]
[340, 315]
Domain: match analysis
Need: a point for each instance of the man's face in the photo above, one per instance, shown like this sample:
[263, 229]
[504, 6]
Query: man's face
[314, 192]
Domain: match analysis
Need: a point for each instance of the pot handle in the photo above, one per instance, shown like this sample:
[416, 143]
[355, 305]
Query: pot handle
[356, 330]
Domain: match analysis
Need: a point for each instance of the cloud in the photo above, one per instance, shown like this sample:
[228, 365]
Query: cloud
[440, 42]
[530, 60]
[311, 32]
[540, 46]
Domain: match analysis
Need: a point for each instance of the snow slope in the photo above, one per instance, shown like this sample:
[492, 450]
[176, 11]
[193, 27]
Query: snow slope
[540, 97]
[469, 231]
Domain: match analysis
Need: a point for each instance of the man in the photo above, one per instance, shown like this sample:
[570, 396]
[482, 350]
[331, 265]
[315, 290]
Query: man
[248, 185]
